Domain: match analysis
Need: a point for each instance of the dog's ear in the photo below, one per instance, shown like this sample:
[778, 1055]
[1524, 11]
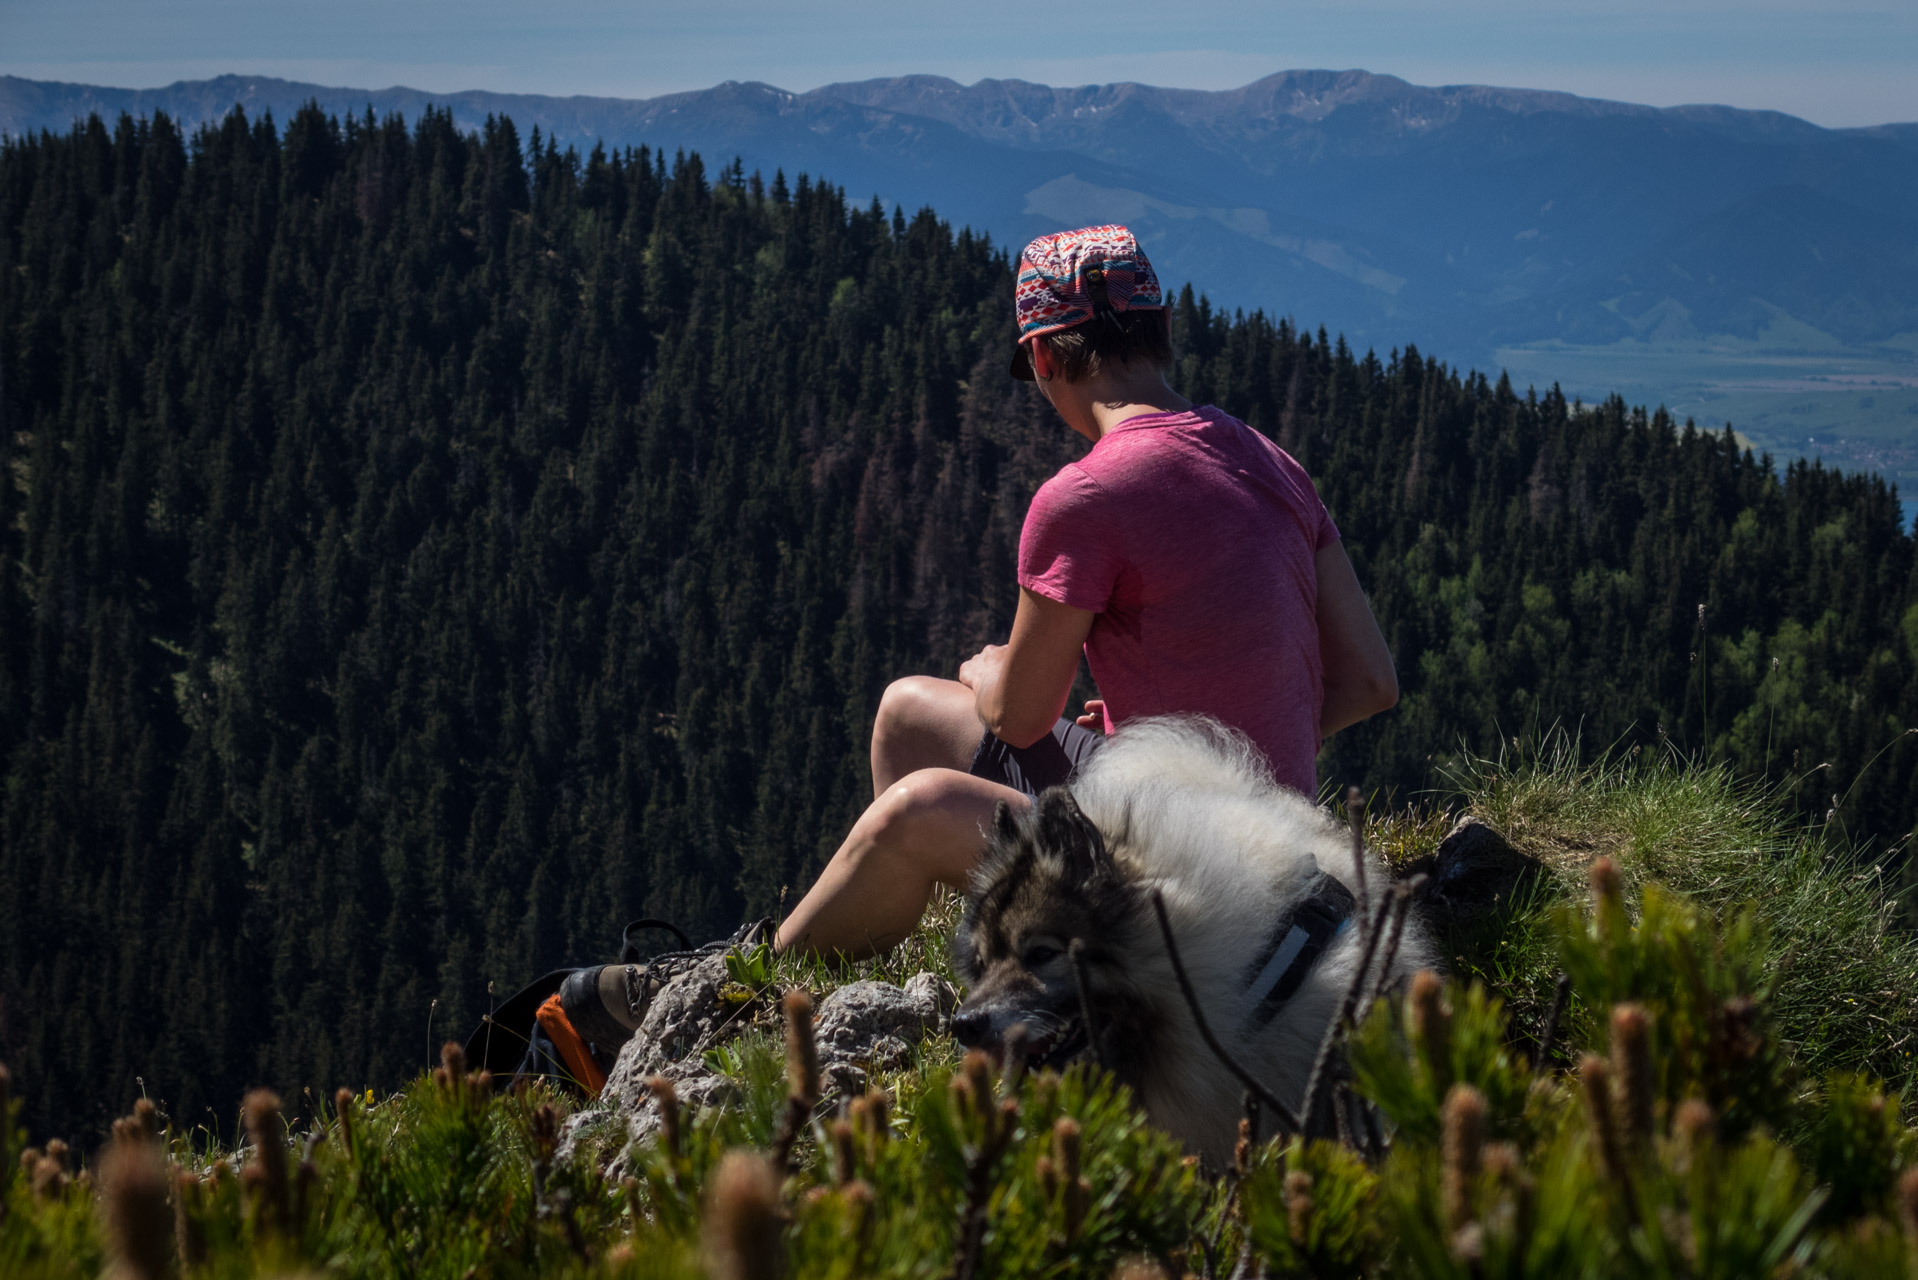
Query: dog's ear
[965, 950]
[1005, 824]
[1065, 830]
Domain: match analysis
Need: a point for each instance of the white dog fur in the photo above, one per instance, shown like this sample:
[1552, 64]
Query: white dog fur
[1190, 807]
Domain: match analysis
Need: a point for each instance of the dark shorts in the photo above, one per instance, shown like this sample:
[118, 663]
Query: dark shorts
[1049, 762]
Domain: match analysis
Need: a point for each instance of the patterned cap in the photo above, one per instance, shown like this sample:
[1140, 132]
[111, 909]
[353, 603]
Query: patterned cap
[1067, 278]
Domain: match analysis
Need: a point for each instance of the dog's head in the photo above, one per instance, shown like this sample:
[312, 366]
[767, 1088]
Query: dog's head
[1046, 881]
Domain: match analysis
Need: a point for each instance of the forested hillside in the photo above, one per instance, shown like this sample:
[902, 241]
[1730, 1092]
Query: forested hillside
[421, 552]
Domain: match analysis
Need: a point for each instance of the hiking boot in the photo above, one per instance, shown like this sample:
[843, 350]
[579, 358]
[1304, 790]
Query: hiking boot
[572, 1023]
[606, 1003]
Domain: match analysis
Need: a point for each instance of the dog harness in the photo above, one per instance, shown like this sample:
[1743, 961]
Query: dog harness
[1300, 938]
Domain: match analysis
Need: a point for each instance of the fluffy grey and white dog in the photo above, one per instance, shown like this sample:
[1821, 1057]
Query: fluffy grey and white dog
[1259, 888]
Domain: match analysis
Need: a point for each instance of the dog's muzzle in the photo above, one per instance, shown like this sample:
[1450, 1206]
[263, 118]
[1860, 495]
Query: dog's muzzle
[1048, 1042]
[973, 1029]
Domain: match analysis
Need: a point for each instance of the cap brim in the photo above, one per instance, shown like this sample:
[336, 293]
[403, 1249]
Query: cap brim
[1022, 363]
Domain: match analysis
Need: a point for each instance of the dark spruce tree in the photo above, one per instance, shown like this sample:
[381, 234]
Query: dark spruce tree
[422, 551]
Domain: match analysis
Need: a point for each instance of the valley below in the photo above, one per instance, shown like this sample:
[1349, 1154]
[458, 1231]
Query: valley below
[1853, 408]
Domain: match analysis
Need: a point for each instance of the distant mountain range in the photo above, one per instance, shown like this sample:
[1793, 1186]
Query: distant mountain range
[1462, 217]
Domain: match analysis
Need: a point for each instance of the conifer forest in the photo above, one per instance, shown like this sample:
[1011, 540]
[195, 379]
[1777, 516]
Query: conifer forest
[422, 552]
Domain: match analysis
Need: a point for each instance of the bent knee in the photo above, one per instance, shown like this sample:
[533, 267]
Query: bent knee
[934, 807]
[920, 798]
[934, 822]
[910, 702]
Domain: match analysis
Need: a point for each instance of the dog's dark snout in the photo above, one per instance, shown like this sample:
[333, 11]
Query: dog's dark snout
[972, 1027]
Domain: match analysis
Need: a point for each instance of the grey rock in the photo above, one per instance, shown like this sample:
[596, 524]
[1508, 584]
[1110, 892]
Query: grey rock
[871, 1026]
[685, 1019]
[1477, 872]
[927, 986]
[860, 1028]
[847, 1069]
[696, 1090]
[890, 1052]
[843, 1078]
[594, 1129]
[856, 1016]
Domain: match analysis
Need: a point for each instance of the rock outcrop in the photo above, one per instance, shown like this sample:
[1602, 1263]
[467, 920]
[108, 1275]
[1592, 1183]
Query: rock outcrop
[860, 1028]
[867, 1026]
[1476, 873]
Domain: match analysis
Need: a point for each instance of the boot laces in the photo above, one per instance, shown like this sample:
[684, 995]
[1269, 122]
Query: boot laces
[643, 979]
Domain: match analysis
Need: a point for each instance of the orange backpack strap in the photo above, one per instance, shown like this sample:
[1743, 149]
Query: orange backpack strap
[572, 1048]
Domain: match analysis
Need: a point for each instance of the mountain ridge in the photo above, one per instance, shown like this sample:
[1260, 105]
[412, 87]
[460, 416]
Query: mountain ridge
[1460, 216]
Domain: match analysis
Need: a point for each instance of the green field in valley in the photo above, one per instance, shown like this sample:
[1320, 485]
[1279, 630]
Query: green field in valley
[1811, 397]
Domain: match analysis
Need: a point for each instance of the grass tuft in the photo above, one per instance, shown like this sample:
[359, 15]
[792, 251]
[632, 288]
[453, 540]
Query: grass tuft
[1846, 995]
[1700, 1146]
[928, 949]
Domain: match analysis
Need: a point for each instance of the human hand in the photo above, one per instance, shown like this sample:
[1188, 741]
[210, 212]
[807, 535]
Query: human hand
[1095, 715]
[982, 667]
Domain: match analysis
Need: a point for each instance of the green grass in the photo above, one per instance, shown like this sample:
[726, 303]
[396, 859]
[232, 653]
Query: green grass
[1794, 394]
[1847, 996]
[1755, 956]
[927, 949]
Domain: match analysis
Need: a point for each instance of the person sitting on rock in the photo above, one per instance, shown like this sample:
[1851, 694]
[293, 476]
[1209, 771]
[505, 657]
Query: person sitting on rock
[1186, 555]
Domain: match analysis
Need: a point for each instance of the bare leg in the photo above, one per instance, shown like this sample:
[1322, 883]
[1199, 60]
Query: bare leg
[928, 828]
[923, 723]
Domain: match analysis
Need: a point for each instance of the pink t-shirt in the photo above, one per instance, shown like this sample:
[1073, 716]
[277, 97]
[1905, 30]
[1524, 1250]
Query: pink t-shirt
[1193, 537]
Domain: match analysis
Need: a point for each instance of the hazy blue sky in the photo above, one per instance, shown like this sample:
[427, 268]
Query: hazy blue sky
[1839, 62]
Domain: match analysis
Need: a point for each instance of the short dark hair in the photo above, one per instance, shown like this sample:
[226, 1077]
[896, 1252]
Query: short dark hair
[1086, 349]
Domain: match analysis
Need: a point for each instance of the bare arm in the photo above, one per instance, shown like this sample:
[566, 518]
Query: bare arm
[1359, 677]
[1022, 686]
